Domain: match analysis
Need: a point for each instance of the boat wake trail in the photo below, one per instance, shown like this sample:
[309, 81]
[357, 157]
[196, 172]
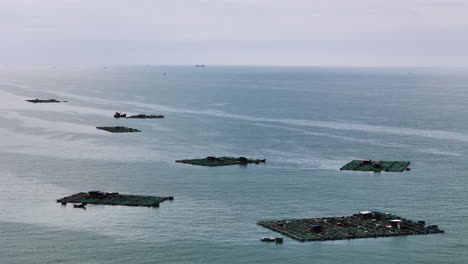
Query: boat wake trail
[342, 126]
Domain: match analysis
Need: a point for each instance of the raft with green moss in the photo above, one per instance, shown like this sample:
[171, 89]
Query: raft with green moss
[220, 161]
[366, 224]
[118, 129]
[113, 198]
[377, 165]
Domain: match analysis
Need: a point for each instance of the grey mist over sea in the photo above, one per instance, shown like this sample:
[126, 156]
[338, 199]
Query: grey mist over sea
[307, 122]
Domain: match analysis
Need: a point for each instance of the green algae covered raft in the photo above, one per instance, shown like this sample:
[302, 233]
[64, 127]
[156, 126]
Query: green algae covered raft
[363, 225]
[118, 129]
[220, 161]
[377, 165]
[110, 198]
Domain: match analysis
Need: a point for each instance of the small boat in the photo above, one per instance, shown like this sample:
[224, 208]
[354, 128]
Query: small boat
[82, 205]
[272, 239]
[119, 115]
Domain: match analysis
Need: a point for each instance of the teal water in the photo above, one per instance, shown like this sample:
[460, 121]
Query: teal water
[307, 123]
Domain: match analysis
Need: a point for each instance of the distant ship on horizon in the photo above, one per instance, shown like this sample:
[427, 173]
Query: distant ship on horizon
[200, 65]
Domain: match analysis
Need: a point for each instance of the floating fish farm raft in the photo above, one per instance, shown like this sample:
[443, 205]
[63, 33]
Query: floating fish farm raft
[109, 198]
[143, 116]
[119, 129]
[43, 101]
[220, 161]
[363, 225]
[377, 165]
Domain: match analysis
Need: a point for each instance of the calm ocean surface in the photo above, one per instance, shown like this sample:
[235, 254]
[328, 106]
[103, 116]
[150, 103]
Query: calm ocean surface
[307, 123]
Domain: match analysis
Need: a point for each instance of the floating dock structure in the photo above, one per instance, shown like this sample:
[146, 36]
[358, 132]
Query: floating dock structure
[43, 101]
[119, 129]
[220, 161]
[377, 165]
[109, 198]
[363, 225]
[143, 116]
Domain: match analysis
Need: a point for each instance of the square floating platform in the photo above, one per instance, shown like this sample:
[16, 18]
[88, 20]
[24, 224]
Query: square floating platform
[363, 225]
[220, 161]
[108, 198]
[119, 129]
[377, 165]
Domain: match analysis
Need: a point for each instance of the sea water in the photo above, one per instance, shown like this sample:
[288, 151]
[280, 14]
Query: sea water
[307, 123]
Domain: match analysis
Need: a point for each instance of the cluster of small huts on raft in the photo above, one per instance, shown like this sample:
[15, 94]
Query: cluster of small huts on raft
[366, 224]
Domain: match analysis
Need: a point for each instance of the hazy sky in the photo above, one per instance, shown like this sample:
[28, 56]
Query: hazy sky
[258, 32]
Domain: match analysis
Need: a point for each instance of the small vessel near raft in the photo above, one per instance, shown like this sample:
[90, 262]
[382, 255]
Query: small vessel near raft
[272, 239]
[81, 205]
[119, 115]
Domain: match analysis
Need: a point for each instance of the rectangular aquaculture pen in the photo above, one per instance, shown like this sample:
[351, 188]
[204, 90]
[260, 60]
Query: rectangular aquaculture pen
[377, 165]
[220, 161]
[363, 225]
[112, 198]
[119, 129]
